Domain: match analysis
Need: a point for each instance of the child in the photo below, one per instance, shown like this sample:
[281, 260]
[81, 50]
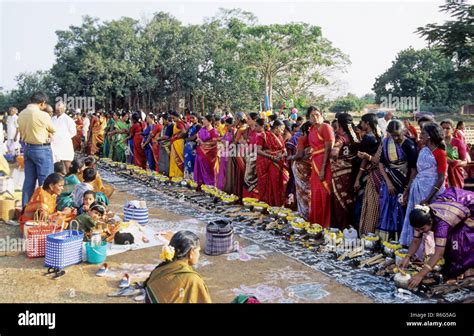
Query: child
[98, 185]
[66, 200]
[87, 222]
[88, 199]
[89, 177]
[60, 168]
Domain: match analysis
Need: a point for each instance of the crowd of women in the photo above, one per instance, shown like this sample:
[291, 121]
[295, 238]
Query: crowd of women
[335, 174]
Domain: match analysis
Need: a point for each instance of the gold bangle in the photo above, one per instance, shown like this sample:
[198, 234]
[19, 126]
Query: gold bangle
[428, 266]
[435, 187]
[361, 169]
[370, 158]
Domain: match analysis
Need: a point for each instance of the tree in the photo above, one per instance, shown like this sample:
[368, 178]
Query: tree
[424, 74]
[454, 39]
[349, 103]
[293, 51]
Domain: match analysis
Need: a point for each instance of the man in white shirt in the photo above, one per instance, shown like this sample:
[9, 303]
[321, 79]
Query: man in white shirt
[62, 147]
[13, 135]
[383, 122]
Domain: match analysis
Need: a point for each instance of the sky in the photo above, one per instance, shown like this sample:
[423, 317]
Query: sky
[371, 33]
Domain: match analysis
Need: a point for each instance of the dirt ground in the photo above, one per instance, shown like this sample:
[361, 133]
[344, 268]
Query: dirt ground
[272, 276]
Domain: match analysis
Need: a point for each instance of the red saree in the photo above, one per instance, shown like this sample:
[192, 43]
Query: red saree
[155, 147]
[320, 207]
[77, 139]
[139, 158]
[272, 177]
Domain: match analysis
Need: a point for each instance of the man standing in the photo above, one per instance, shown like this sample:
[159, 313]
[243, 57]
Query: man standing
[35, 128]
[383, 122]
[63, 149]
[12, 130]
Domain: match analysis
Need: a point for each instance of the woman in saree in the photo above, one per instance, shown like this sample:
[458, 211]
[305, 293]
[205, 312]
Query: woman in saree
[65, 199]
[238, 160]
[165, 145]
[291, 141]
[398, 167]
[190, 146]
[429, 181]
[146, 134]
[343, 155]
[107, 152]
[155, 146]
[97, 127]
[450, 219]
[368, 180]
[250, 175]
[43, 202]
[174, 280]
[321, 140]
[139, 158]
[118, 136]
[457, 159]
[301, 166]
[223, 177]
[177, 146]
[77, 139]
[272, 169]
[206, 153]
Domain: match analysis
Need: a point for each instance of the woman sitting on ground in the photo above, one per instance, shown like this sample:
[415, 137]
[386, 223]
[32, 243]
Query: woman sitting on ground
[174, 280]
[43, 202]
[451, 219]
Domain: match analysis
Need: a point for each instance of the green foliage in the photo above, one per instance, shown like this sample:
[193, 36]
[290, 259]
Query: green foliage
[425, 74]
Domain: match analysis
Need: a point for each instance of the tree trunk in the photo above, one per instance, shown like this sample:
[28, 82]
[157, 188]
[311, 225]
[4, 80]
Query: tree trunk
[266, 92]
[270, 92]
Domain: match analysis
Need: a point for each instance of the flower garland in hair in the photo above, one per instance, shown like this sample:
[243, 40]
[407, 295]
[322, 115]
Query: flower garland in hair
[423, 208]
[167, 253]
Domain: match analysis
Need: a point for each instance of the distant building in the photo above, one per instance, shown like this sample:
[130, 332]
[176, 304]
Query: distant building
[467, 109]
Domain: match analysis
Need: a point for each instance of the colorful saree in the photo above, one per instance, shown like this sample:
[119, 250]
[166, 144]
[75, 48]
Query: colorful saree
[250, 175]
[421, 187]
[65, 200]
[139, 158]
[118, 144]
[177, 151]
[77, 139]
[456, 150]
[206, 156]
[107, 142]
[342, 198]
[42, 202]
[320, 209]
[454, 229]
[223, 162]
[190, 150]
[272, 176]
[370, 205]
[176, 282]
[97, 134]
[302, 174]
[398, 160]
[155, 147]
[148, 148]
[165, 150]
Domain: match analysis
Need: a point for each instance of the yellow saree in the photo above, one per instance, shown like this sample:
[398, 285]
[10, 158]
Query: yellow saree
[177, 153]
[176, 282]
